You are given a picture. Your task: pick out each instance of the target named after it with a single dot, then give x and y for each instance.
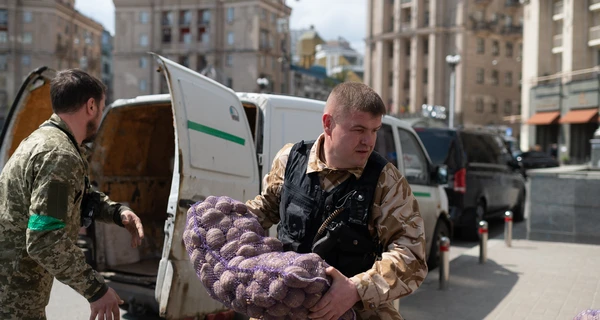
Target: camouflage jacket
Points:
(41, 189)
(395, 219)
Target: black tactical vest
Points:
(345, 243)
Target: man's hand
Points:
(107, 307)
(340, 297)
(133, 224)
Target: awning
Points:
(543, 118)
(580, 116)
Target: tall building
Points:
(294, 38)
(235, 42)
(35, 33)
(561, 76)
(306, 47)
(107, 64)
(406, 48)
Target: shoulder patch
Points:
(57, 202)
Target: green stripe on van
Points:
(422, 194)
(216, 133)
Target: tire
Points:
(519, 209)
(441, 230)
(470, 232)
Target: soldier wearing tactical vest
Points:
(44, 191)
(337, 197)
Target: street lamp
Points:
(453, 61)
(262, 83)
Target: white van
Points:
(159, 154)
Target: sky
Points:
(331, 18)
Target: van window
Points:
(478, 148)
(440, 145)
(385, 144)
(415, 162)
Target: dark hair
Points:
(356, 96)
(72, 88)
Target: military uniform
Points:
(41, 190)
(395, 220)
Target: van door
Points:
(31, 107)
(214, 156)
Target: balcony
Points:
(557, 43)
(594, 36)
(512, 30)
(594, 5)
(558, 11)
(482, 26)
(482, 2)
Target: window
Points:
(3, 62)
(143, 62)
(416, 170)
(166, 35)
(494, 107)
(507, 107)
(385, 145)
(26, 60)
(479, 148)
(184, 61)
(508, 79)
(185, 17)
(407, 48)
(230, 15)
(425, 75)
(480, 75)
(143, 85)
(509, 49)
(495, 77)
(391, 77)
(479, 105)
(229, 83)
(406, 79)
(144, 40)
(425, 46)
(185, 35)
(230, 38)
(3, 36)
(144, 17)
(495, 48)
(480, 45)
(263, 14)
(3, 17)
(203, 35)
(27, 37)
(167, 18)
(229, 60)
(263, 61)
(273, 18)
(201, 62)
(204, 16)
(27, 18)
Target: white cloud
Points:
(331, 18)
(102, 11)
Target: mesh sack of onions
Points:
(247, 271)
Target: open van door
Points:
(214, 155)
(31, 107)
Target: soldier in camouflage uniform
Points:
(42, 187)
(352, 116)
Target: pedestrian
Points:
(45, 197)
(336, 197)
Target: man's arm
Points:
(52, 215)
(266, 205)
(401, 230)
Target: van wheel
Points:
(441, 230)
(470, 232)
(519, 209)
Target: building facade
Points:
(107, 64)
(561, 76)
(35, 33)
(407, 45)
(311, 83)
(340, 60)
(235, 42)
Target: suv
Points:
(484, 180)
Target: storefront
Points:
(546, 104)
(583, 123)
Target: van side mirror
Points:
(441, 174)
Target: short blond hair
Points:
(348, 97)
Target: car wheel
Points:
(441, 230)
(519, 209)
(470, 231)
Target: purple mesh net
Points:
(247, 271)
(588, 315)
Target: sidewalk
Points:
(531, 280)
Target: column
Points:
(416, 74)
(399, 65)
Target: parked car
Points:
(484, 179)
(536, 160)
(162, 153)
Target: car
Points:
(536, 160)
(484, 178)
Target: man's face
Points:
(94, 123)
(353, 139)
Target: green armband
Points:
(44, 223)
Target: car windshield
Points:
(437, 144)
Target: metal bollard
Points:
(444, 262)
(508, 224)
(483, 238)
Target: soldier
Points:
(338, 198)
(44, 190)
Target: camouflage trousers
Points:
(24, 300)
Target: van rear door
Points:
(214, 156)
